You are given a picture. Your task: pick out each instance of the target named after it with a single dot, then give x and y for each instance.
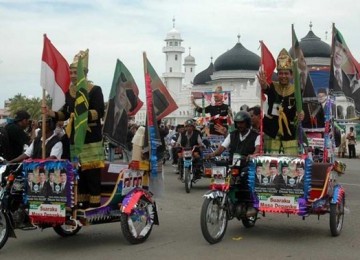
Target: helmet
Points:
(190, 122)
(241, 117)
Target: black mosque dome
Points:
(313, 46)
(238, 58)
(204, 76)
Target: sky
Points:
(124, 29)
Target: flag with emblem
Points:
(163, 102)
(344, 74)
(306, 84)
(123, 103)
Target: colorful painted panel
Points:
(280, 184)
(49, 185)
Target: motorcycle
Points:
(189, 167)
(228, 198)
(26, 204)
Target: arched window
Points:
(176, 57)
(170, 69)
(190, 69)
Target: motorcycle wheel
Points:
(337, 217)
(213, 220)
(4, 228)
(249, 222)
(66, 230)
(187, 180)
(137, 226)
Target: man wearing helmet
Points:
(279, 119)
(188, 139)
(243, 140)
(191, 136)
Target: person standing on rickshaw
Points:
(92, 160)
(279, 122)
(220, 113)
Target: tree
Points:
(31, 105)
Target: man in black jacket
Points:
(17, 137)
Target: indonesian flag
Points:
(55, 74)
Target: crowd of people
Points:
(278, 125)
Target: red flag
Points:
(163, 102)
(268, 64)
(55, 74)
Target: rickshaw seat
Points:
(108, 180)
(319, 174)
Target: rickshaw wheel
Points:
(337, 217)
(137, 226)
(66, 230)
(188, 183)
(4, 228)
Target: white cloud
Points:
(124, 29)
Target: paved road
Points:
(179, 236)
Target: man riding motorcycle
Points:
(188, 139)
(243, 141)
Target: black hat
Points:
(21, 115)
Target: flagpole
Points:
(262, 107)
(43, 125)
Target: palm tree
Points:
(31, 105)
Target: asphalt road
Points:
(275, 236)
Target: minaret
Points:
(173, 50)
(189, 66)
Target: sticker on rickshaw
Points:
(52, 213)
(278, 203)
(133, 179)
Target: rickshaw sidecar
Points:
(297, 185)
(125, 198)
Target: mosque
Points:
(235, 70)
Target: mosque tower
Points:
(173, 50)
(189, 66)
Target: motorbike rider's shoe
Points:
(251, 212)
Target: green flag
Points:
(81, 111)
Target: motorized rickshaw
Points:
(303, 185)
(40, 194)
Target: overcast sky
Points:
(123, 29)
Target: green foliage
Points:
(31, 105)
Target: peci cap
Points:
(21, 115)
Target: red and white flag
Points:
(55, 74)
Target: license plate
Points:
(236, 160)
(187, 153)
(218, 174)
